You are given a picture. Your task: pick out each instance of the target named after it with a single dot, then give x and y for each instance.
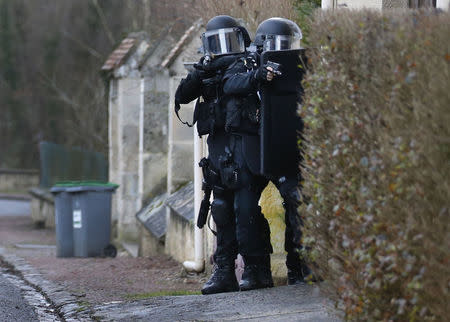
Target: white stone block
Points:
(155, 174)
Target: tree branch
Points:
(104, 23)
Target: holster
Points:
(229, 171)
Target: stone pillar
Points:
(128, 200)
(113, 130)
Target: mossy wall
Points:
(272, 208)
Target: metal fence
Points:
(60, 163)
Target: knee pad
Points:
(221, 212)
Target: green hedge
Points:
(377, 109)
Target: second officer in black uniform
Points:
(242, 168)
(243, 81)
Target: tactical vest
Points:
(209, 113)
(242, 113)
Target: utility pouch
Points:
(229, 172)
(203, 117)
(233, 114)
(250, 107)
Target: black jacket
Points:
(193, 87)
(240, 87)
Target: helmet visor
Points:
(223, 41)
(281, 42)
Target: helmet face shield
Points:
(281, 42)
(223, 41)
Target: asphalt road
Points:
(12, 305)
(12, 207)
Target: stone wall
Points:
(42, 208)
(180, 245)
(18, 180)
(272, 208)
(149, 245)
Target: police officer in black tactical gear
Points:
(223, 41)
(243, 168)
(275, 34)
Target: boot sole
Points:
(207, 292)
(244, 289)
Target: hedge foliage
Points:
(377, 110)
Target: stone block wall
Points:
(180, 238)
(42, 208)
(18, 180)
(149, 245)
(272, 208)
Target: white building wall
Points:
(443, 4)
(364, 4)
(359, 4)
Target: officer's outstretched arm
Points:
(240, 84)
(237, 81)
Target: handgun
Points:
(276, 68)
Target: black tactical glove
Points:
(220, 62)
(261, 73)
(214, 64)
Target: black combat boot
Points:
(223, 278)
(298, 272)
(265, 273)
(295, 276)
(257, 273)
(249, 279)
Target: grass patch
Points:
(159, 293)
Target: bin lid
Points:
(78, 186)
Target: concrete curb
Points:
(68, 306)
(15, 196)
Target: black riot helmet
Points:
(278, 34)
(224, 36)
